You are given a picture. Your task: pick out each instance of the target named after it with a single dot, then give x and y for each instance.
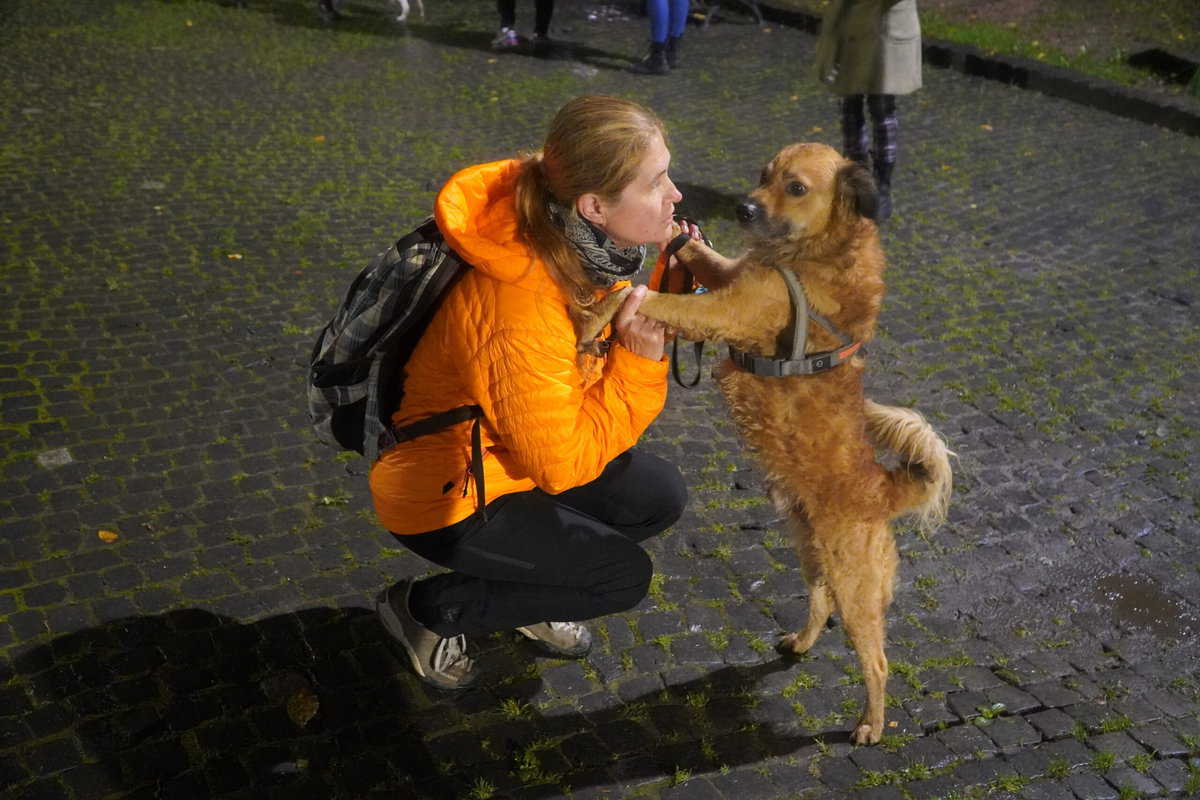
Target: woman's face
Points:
(643, 211)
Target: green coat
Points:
(870, 47)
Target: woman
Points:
(569, 500)
(871, 50)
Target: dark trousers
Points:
(884, 128)
(540, 557)
(543, 11)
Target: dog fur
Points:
(815, 435)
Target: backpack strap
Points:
(433, 424)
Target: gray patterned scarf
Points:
(603, 261)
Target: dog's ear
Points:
(857, 193)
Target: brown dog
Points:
(816, 434)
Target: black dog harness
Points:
(798, 364)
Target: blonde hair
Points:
(595, 144)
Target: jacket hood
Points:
(476, 212)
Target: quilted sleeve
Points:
(551, 428)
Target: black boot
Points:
(883, 183)
(673, 51)
(327, 11)
(655, 63)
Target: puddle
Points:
(1138, 602)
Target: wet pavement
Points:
(186, 575)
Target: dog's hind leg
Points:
(862, 592)
(820, 602)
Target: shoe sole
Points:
(395, 630)
(578, 652)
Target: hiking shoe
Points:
(566, 639)
(506, 39)
(439, 661)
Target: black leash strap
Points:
(477, 468)
(689, 285)
(698, 352)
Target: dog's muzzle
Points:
(749, 212)
(754, 218)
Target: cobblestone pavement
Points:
(185, 190)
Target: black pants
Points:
(543, 12)
(884, 127)
(540, 557)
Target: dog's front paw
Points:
(796, 644)
(590, 321)
(597, 348)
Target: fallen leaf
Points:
(816, 129)
(189, 23)
(766, 30)
(318, 138)
(236, 256)
(303, 706)
(986, 127)
(893, 724)
(108, 536)
(492, 60)
(794, 98)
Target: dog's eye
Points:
(796, 188)
(764, 178)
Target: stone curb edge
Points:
(1026, 73)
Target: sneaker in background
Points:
(506, 40)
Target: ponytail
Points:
(533, 198)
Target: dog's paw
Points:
(866, 733)
(793, 645)
(597, 348)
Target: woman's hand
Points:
(636, 332)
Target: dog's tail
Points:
(923, 479)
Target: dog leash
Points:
(689, 287)
(798, 364)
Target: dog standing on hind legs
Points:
(804, 414)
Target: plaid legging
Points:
(884, 126)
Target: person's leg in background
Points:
(655, 62)
(677, 22)
(855, 141)
(884, 129)
(544, 12)
(506, 39)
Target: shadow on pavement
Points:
(316, 704)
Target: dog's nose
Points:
(748, 211)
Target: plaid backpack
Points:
(355, 377)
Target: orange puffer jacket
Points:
(502, 340)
